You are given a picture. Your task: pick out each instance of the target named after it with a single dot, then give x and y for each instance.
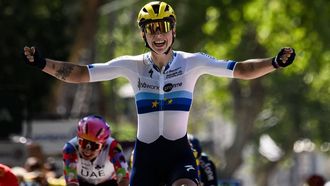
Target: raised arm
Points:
(254, 68)
(64, 71)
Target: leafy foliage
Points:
(47, 25)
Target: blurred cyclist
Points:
(93, 157)
(207, 169)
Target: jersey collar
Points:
(149, 60)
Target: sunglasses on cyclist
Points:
(89, 145)
(161, 26)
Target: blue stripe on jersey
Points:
(180, 104)
(146, 95)
(231, 64)
(145, 106)
(151, 102)
(177, 94)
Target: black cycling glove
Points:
(284, 58)
(39, 61)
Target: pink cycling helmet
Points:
(93, 128)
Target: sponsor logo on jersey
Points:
(99, 167)
(92, 174)
(169, 86)
(151, 72)
(146, 85)
(174, 73)
(189, 167)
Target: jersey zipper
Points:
(161, 99)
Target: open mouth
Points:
(159, 43)
(87, 154)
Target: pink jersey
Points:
(110, 164)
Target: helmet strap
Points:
(146, 42)
(169, 48)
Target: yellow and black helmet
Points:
(154, 11)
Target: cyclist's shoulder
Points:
(70, 146)
(128, 58)
(114, 144)
(185, 55)
(194, 56)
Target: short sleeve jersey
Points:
(163, 96)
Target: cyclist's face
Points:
(89, 149)
(159, 42)
(159, 36)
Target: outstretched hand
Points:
(33, 57)
(284, 58)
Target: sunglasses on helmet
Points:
(161, 26)
(89, 145)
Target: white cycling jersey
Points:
(163, 96)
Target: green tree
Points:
(48, 25)
(290, 97)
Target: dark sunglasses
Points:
(89, 145)
(161, 26)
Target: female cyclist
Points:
(163, 81)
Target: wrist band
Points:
(41, 63)
(274, 63)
